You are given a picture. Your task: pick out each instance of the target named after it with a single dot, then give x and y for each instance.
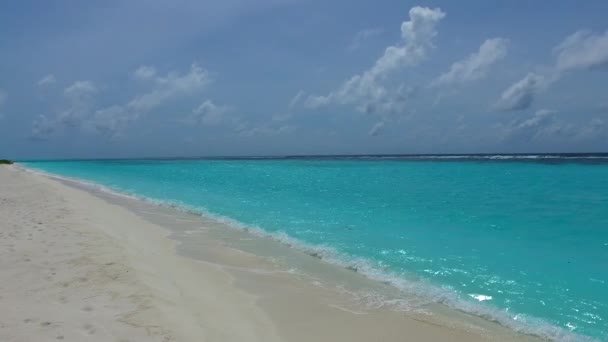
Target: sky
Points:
(183, 78)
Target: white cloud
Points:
(520, 95)
(47, 80)
(169, 87)
(366, 89)
(78, 105)
(362, 36)
(80, 89)
(288, 114)
(80, 101)
(539, 117)
(295, 100)
(545, 126)
(475, 66)
(544, 112)
(582, 50)
(532, 127)
(418, 34)
(376, 129)
(145, 73)
(111, 120)
(209, 114)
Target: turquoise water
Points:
(524, 242)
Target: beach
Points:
(78, 265)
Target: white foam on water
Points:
(480, 297)
(417, 292)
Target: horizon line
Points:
(323, 156)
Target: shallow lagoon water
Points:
(521, 241)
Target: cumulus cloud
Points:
(362, 36)
(367, 90)
(520, 95)
(209, 114)
(80, 90)
(78, 102)
(582, 50)
(168, 87)
(111, 121)
(47, 80)
(80, 98)
(476, 66)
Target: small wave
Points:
(480, 297)
(429, 293)
(424, 292)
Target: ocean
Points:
(521, 240)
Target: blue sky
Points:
(139, 78)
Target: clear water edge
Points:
(418, 283)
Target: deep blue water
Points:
(532, 234)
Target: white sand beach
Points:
(75, 266)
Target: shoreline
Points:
(262, 289)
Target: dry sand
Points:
(77, 267)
